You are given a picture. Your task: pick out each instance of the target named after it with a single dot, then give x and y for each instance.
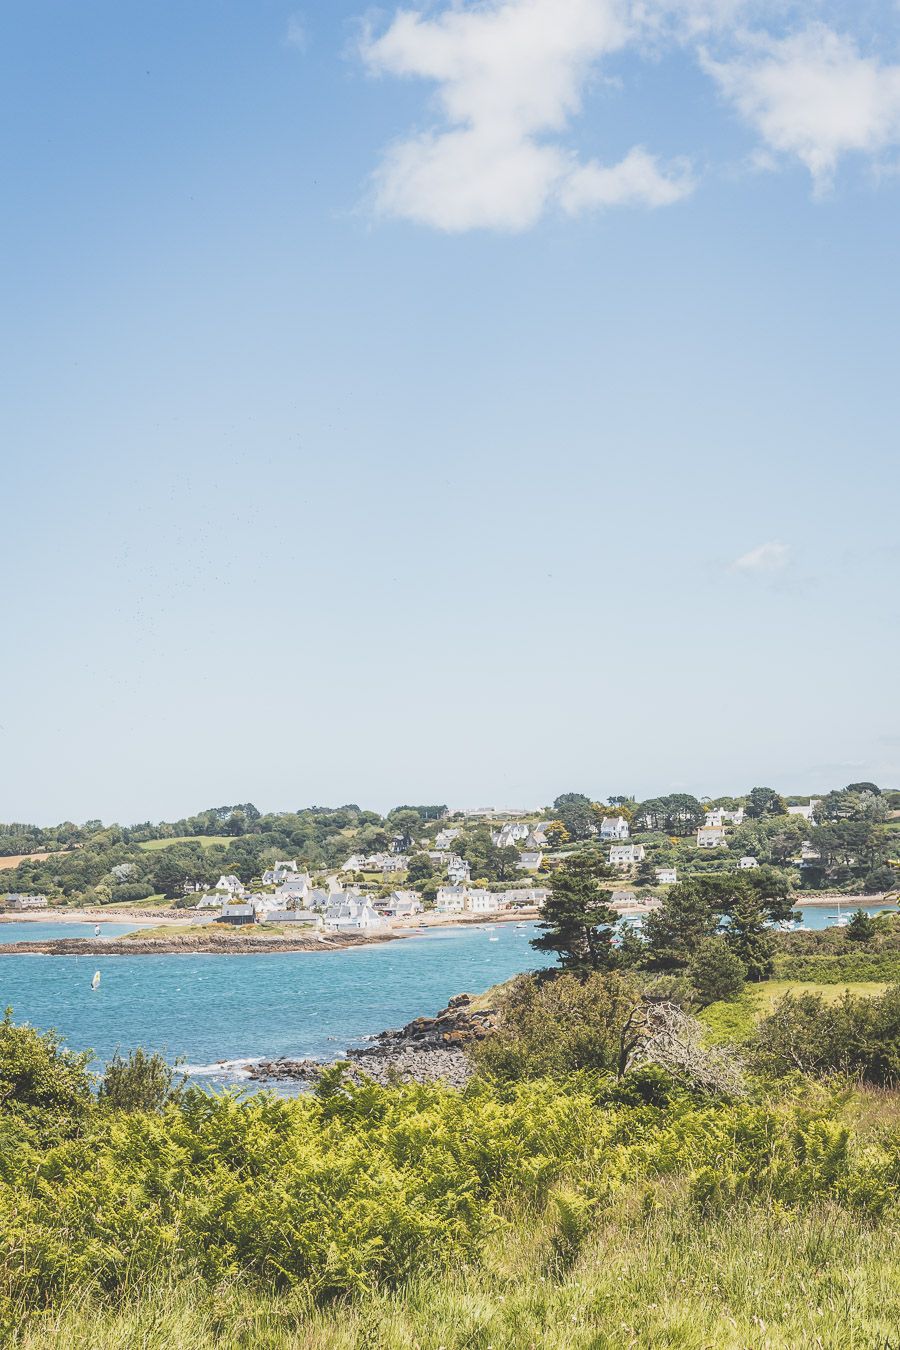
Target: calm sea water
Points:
(210, 1009)
(233, 1008)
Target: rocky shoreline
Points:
(426, 1050)
(220, 944)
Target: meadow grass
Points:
(735, 1020)
(660, 1277)
(204, 840)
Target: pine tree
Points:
(578, 923)
(750, 938)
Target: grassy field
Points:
(14, 859)
(204, 840)
(732, 1021)
(660, 1278)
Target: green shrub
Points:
(141, 1082)
(859, 1037)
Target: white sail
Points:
(96, 980)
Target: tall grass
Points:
(646, 1277)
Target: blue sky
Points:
(469, 403)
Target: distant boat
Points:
(493, 939)
(96, 930)
(95, 982)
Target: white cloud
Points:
(296, 35)
(771, 557)
(510, 74)
(814, 96)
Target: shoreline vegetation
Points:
(559, 1194)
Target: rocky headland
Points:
(425, 1050)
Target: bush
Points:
(859, 1037)
(141, 1082)
(131, 890)
(716, 972)
(40, 1080)
(555, 1026)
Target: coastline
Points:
(251, 940)
(219, 944)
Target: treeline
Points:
(110, 866)
(847, 846)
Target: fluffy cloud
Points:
(771, 557)
(296, 35)
(510, 74)
(814, 96)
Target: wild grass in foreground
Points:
(749, 1279)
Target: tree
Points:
(420, 868)
(678, 814)
(863, 787)
(716, 972)
(763, 802)
(674, 932)
(39, 1077)
(169, 876)
(576, 813)
(557, 834)
(860, 928)
(749, 937)
(883, 878)
(141, 1082)
(578, 923)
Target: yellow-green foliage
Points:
(361, 1188)
(755, 1278)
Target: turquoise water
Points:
(817, 917)
(210, 1009)
(236, 1008)
(37, 930)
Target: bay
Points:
(207, 1009)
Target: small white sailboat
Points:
(95, 982)
(96, 930)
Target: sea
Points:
(217, 1014)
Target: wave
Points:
(233, 1068)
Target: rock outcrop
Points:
(424, 1051)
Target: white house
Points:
(719, 815)
(711, 836)
(458, 870)
(354, 915)
(401, 904)
(445, 839)
(482, 902)
(450, 899)
(376, 862)
(232, 884)
(746, 863)
(807, 812)
(624, 855)
(294, 890)
(666, 876)
(530, 862)
(525, 895)
(622, 900)
(509, 835)
(277, 874)
(15, 900)
(614, 827)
